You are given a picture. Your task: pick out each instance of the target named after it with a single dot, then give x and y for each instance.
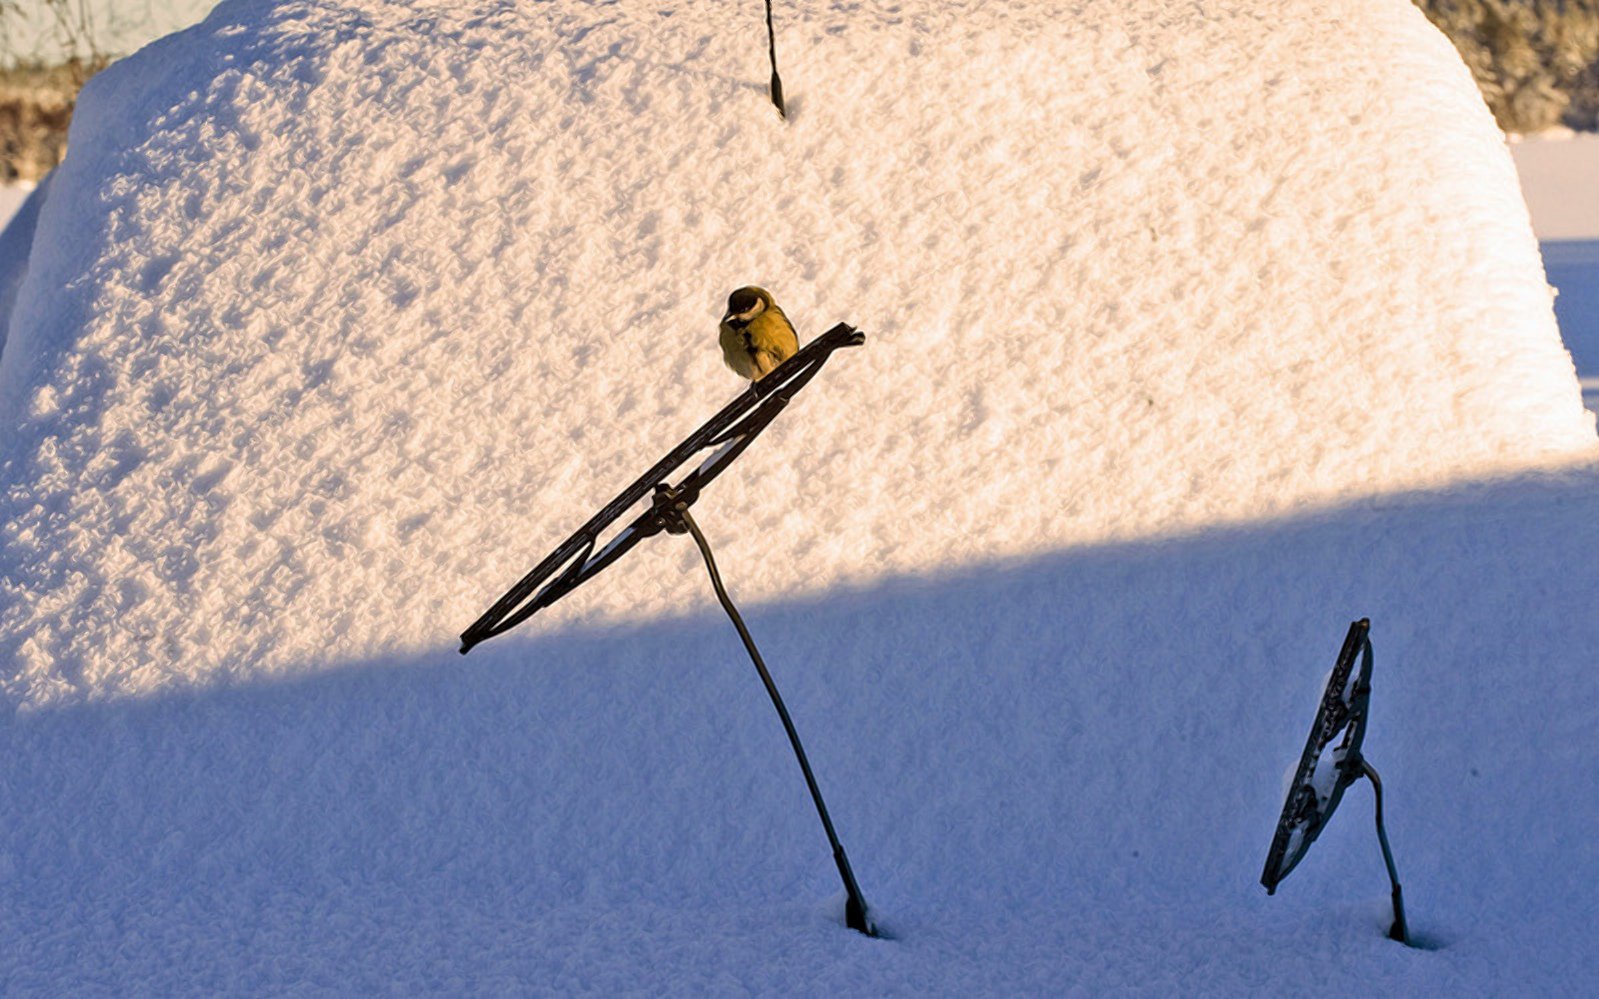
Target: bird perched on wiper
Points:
(755, 335)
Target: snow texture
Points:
(349, 311)
(1195, 332)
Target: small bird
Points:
(755, 335)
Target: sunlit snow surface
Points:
(350, 311)
(340, 316)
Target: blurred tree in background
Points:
(48, 49)
(35, 109)
(1536, 61)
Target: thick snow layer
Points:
(338, 316)
(1058, 776)
(348, 311)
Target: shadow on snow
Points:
(1074, 757)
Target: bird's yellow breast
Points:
(760, 345)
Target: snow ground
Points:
(1053, 776)
(1055, 762)
(1557, 175)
